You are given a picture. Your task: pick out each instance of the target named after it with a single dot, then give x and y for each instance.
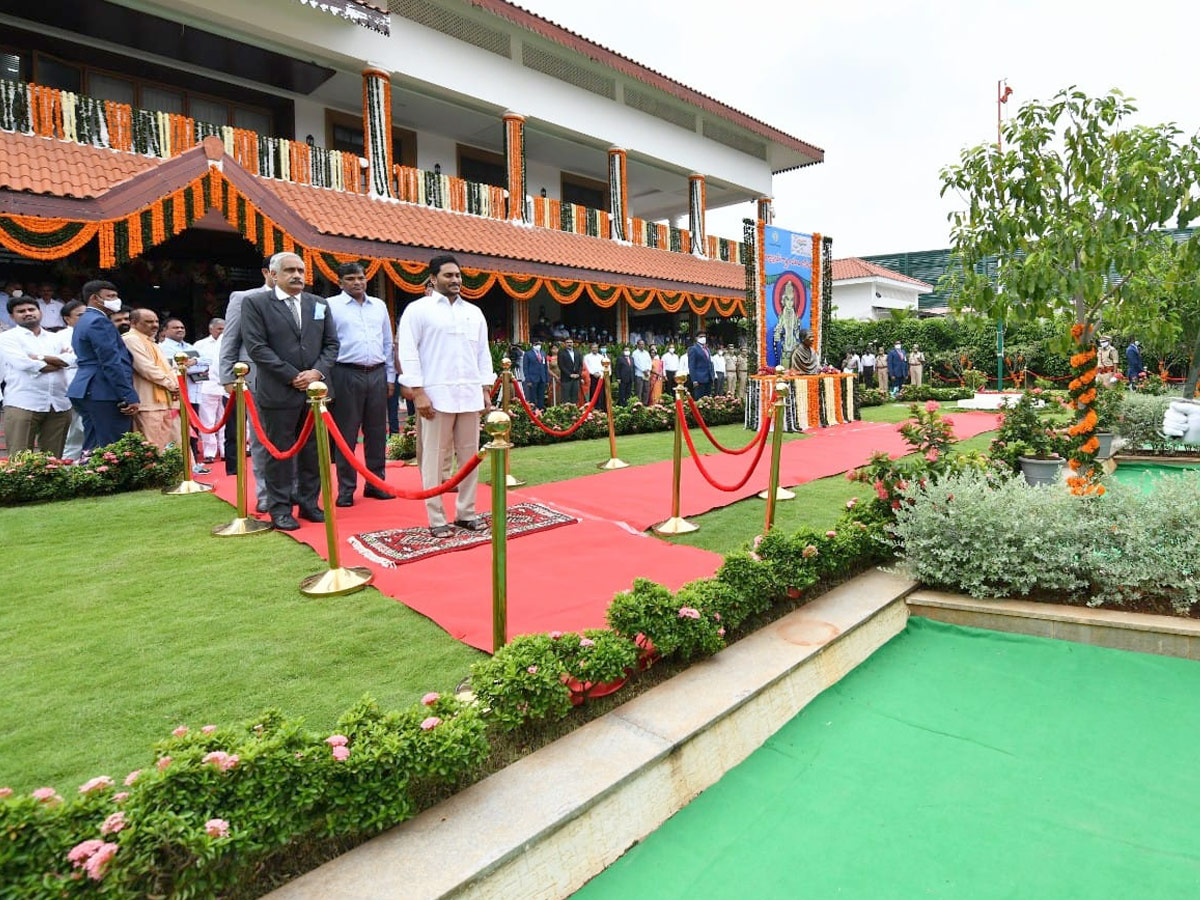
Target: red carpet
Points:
(640, 496)
(565, 578)
(560, 579)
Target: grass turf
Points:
(953, 763)
(123, 618)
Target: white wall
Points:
(855, 298)
(436, 149)
(540, 175)
(310, 119)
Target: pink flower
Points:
(831, 534)
(208, 729)
(299, 755)
(686, 612)
(97, 863)
(851, 503)
(101, 468)
(852, 474)
(337, 740)
(932, 406)
(341, 753)
(532, 670)
(113, 823)
(586, 642)
(221, 760)
(902, 485)
(809, 551)
(83, 851)
(932, 454)
(180, 731)
(5, 792)
(132, 777)
(555, 635)
(880, 490)
(754, 556)
(99, 783)
(430, 698)
(758, 539)
(120, 796)
(721, 632)
(717, 617)
(216, 828)
(431, 723)
(46, 795)
(947, 421)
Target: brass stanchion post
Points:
(772, 491)
(506, 399)
(777, 426)
(497, 424)
(336, 579)
(187, 485)
(676, 524)
(244, 523)
(612, 462)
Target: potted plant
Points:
(974, 380)
(1029, 445)
(1109, 400)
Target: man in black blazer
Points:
(290, 337)
(570, 366)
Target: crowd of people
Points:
(887, 370)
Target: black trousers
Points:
(535, 394)
(701, 389)
(570, 390)
(624, 392)
(360, 404)
(103, 423)
(283, 427)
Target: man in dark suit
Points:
(292, 341)
(1134, 367)
(102, 389)
(537, 375)
(233, 350)
(897, 368)
(570, 367)
(700, 367)
(623, 375)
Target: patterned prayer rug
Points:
(397, 546)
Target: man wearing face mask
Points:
(1107, 359)
(120, 318)
(623, 374)
(700, 367)
(536, 375)
(670, 367)
(593, 363)
(102, 390)
(1135, 369)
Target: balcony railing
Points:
(67, 116)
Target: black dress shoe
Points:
(263, 506)
(376, 494)
(285, 522)
(345, 500)
(312, 513)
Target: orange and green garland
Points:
(1085, 476)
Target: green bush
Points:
(598, 656)
(912, 393)
(524, 681)
(1141, 425)
(1023, 432)
(869, 396)
(130, 464)
(970, 533)
(674, 628)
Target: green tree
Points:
(1070, 212)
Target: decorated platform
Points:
(814, 401)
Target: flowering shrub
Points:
(523, 681)
(675, 627)
(974, 380)
(598, 656)
(1141, 426)
(869, 396)
(912, 393)
(229, 797)
(130, 464)
(1024, 433)
(968, 533)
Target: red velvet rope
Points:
(708, 434)
(194, 419)
(376, 482)
(307, 430)
(495, 388)
(760, 439)
(533, 416)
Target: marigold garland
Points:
(1083, 394)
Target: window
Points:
(10, 66)
(584, 191)
(162, 99)
(345, 132)
(202, 109)
(255, 120)
(481, 166)
(58, 74)
(108, 87)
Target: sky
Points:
(893, 91)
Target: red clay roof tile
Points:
(853, 267)
(63, 169)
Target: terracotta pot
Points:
(586, 690)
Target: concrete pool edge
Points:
(1116, 629)
(549, 822)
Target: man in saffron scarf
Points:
(154, 380)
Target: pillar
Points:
(618, 195)
(766, 210)
(377, 131)
(622, 323)
(696, 203)
(514, 164)
(520, 320)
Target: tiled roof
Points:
(62, 169)
(853, 267)
(358, 216)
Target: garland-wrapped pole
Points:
(677, 524)
(187, 485)
(336, 579)
(506, 376)
(498, 425)
(244, 523)
(1085, 477)
(612, 462)
(774, 493)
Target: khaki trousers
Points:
(444, 435)
(916, 374)
(25, 429)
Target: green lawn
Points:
(123, 618)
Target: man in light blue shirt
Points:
(641, 373)
(362, 379)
